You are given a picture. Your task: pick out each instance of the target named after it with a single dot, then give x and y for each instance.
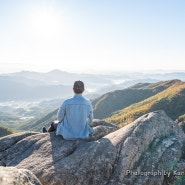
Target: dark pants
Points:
(53, 126)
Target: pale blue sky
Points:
(92, 35)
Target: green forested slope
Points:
(38, 124)
(5, 131)
(171, 100)
(110, 102)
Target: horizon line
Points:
(95, 71)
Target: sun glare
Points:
(45, 23)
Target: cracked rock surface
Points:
(132, 155)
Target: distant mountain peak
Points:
(56, 71)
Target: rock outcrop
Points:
(14, 176)
(146, 152)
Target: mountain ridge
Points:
(25, 82)
(171, 100)
(110, 102)
(143, 97)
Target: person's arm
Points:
(90, 116)
(61, 113)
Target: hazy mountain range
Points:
(121, 103)
(30, 86)
(124, 106)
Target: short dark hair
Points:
(78, 87)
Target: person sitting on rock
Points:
(74, 116)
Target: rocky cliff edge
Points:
(146, 152)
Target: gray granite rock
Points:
(145, 152)
(14, 176)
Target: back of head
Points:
(78, 87)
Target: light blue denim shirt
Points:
(74, 116)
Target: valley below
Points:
(30, 100)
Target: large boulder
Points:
(146, 152)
